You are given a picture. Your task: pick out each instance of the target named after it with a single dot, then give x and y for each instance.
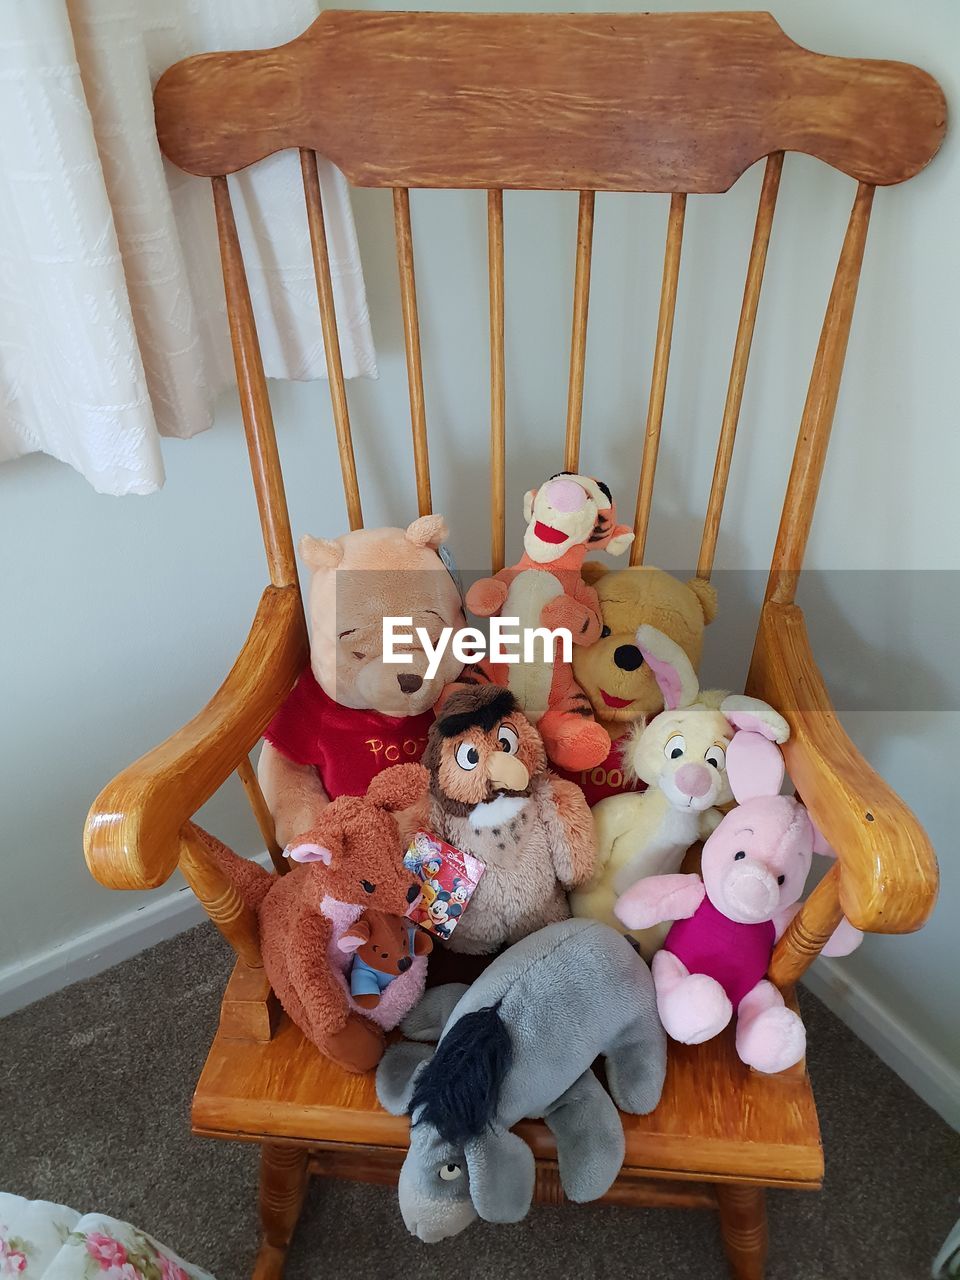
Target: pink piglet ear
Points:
(754, 766)
(820, 844)
(308, 852)
(671, 667)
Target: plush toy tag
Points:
(447, 877)
(446, 555)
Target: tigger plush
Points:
(567, 518)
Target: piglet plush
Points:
(716, 955)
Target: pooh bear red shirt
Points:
(607, 779)
(347, 747)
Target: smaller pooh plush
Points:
(681, 756)
(611, 671)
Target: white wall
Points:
(122, 616)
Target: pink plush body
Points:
(735, 955)
(715, 957)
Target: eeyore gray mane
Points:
(458, 1091)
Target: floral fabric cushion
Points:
(32, 1233)
(48, 1241)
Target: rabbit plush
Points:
(716, 955)
(681, 756)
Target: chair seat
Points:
(717, 1119)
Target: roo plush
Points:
(681, 757)
(715, 958)
(567, 517)
(313, 920)
(351, 714)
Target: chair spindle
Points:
(819, 408)
(254, 400)
(808, 932)
(497, 383)
(223, 904)
(741, 358)
(578, 339)
(331, 339)
(251, 785)
(411, 341)
(658, 381)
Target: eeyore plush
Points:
(520, 1043)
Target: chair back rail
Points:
(574, 102)
(411, 339)
(658, 379)
(331, 337)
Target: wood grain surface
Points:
(132, 835)
(888, 869)
(619, 102)
(716, 1119)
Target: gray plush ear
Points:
(426, 1020)
(397, 1075)
(502, 1175)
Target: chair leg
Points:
(743, 1226)
(283, 1185)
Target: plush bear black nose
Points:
(627, 657)
(409, 684)
(413, 893)
(404, 964)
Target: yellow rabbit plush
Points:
(681, 756)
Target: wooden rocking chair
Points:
(641, 103)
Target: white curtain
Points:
(113, 326)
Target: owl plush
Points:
(492, 796)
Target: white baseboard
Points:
(928, 1073)
(101, 948)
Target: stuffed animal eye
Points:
(780, 879)
(449, 1172)
(507, 739)
(737, 856)
(358, 654)
(367, 887)
(468, 757)
(604, 632)
(675, 747)
(716, 756)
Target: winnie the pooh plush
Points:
(351, 714)
(612, 672)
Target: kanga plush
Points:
(681, 757)
(492, 796)
(715, 958)
(566, 517)
(351, 714)
(612, 672)
(521, 1042)
(312, 920)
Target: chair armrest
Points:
(132, 835)
(888, 870)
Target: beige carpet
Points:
(95, 1087)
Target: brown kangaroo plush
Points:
(349, 864)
